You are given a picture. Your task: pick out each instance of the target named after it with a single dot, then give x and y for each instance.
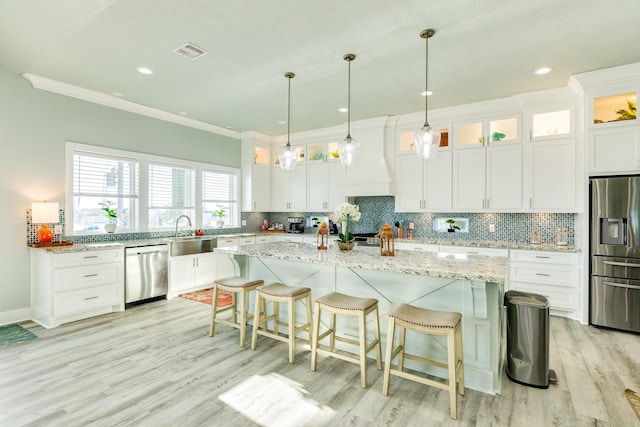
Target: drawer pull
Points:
(620, 264)
(543, 257)
(88, 298)
(91, 275)
(472, 253)
(91, 256)
(543, 274)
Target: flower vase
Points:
(345, 246)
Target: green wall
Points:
(34, 126)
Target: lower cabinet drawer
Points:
(560, 275)
(68, 279)
(559, 298)
(86, 299)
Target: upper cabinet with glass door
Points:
(405, 140)
(276, 155)
(551, 124)
(617, 108)
(261, 155)
(482, 133)
(323, 152)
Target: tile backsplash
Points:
(376, 211)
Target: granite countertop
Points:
(469, 267)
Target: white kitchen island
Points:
(472, 285)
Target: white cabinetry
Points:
(614, 150)
(550, 156)
(225, 264)
(423, 185)
(420, 247)
(487, 165)
(555, 275)
(190, 273)
(289, 188)
(264, 238)
(66, 287)
(466, 250)
(256, 173)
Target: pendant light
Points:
(289, 155)
(348, 148)
(426, 140)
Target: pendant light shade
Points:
(289, 155)
(348, 148)
(426, 140)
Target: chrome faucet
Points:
(178, 220)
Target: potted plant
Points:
(452, 225)
(345, 213)
(111, 214)
(220, 213)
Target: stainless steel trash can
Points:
(528, 339)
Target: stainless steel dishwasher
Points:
(146, 273)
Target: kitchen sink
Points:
(191, 245)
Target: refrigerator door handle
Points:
(619, 285)
(621, 264)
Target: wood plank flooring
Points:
(155, 365)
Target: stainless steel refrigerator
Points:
(615, 252)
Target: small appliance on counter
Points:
(333, 227)
(296, 224)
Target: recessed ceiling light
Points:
(426, 93)
(543, 70)
(281, 122)
(343, 110)
(118, 94)
(144, 70)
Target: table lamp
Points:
(44, 213)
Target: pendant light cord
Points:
(349, 103)
(289, 76)
(426, 82)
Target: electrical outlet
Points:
(57, 229)
(244, 222)
(492, 228)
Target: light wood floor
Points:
(155, 365)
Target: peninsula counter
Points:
(470, 285)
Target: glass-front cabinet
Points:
(405, 140)
(323, 152)
(614, 108)
(482, 133)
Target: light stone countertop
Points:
(461, 266)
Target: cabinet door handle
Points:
(543, 274)
(472, 253)
(91, 275)
(530, 202)
(94, 297)
(91, 256)
(530, 135)
(543, 257)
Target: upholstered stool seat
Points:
(345, 305)
(235, 286)
(433, 323)
(277, 293)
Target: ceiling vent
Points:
(190, 51)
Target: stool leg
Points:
(451, 351)
(243, 318)
(402, 336)
(276, 314)
(460, 359)
(256, 321)
(332, 335)
(363, 349)
(292, 330)
(387, 357)
(314, 337)
(309, 320)
(376, 331)
(214, 310)
(234, 307)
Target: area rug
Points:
(12, 334)
(634, 401)
(206, 295)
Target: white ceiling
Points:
(482, 49)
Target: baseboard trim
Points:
(14, 316)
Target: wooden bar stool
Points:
(433, 323)
(337, 303)
(277, 293)
(235, 286)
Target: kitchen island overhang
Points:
(471, 285)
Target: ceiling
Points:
(482, 49)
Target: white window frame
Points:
(143, 204)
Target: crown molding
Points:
(43, 83)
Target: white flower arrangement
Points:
(345, 213)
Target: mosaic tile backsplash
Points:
(376, 211)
